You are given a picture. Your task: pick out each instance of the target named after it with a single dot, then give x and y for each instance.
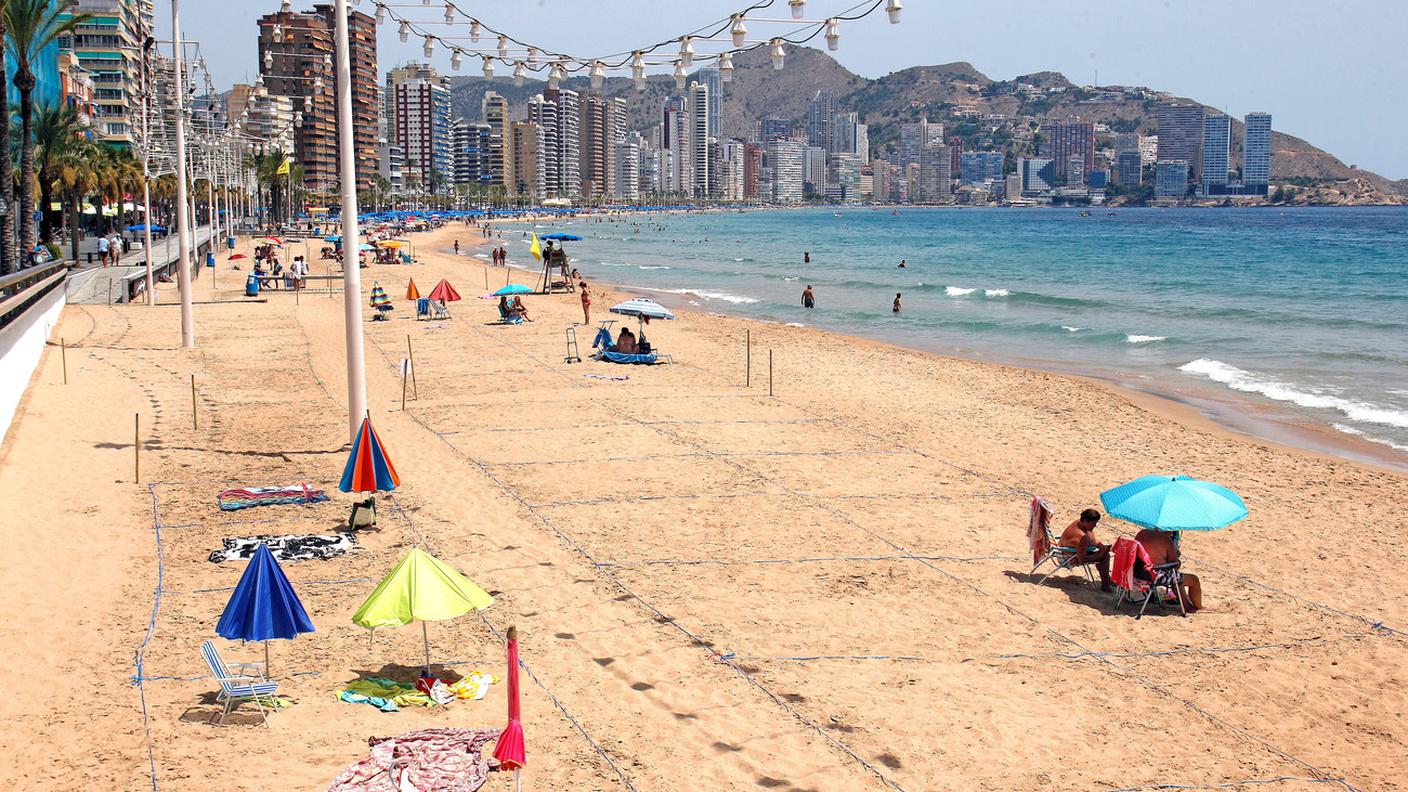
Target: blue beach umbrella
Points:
(513, 288)
(562, 237)
(143, 227)
(1174, 503)
(264, 605)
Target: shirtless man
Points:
(1162, 550)
(1080, 535)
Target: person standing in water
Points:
(807, 258)
(808, 298)
(903, 264)
(896, 308)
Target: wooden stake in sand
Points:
(63, 355)
(137, 447)
(411, 357)
(747, 358)
(193, 402)
(769, 372)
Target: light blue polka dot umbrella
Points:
(1174, 503)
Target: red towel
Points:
(1039, 530)
(1126, 551)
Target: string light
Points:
(679, 75)
(456, 60)
(833, 36)
(519, 72)
(474, 31)
(429, 48)
(380, 13)
(726, 67)
(686, 52)
(739, 30)
(503, 46)
(796, 6)
(449, 14)
(638, 70)
(893, 9)
(779, 56)
(405, 31)
(598, 75)
(488, 68)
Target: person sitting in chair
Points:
(520, 309)
(626, 342)
(1163, 551)
(1080, 536)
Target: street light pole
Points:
(183, 275)
(351, 236)
(147, 167)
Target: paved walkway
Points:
(97, 284)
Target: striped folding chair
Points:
(1044, 547)
(236, 689)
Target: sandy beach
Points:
(827, 588)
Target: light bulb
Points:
(778, 54)
(503, 46)
(796, 6)
(726, 67)
(449, 14)
(268, 59)
(380, 13)
(679, 75)
(833, 35)
(286, 6)
(474, 30)
(519, 72)
(555, 76)
(893, 9)
(686, 52)
(739, 30)
(405, 31)
(488, 68)
(429, 48)
(598, 75)
(456, 60)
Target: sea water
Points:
(1303, 310)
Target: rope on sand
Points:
(1234, 784)
(139, 657)
(301, 583)
(812, 560)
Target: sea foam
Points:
(1247, 382)
(954, 291)
(710, 295)
(1134, 338)
(995, 292)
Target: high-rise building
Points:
(1170, 179)
(263, 117)
(1256, 153)
(914, 137)
(398, 75)
(1129, 168)
(1217, 151)
(421, 118)
(784, 160)
(626, 162)
(699, 138)
(109, 47)
(76, 89)
(1013, 186)
(976, 167)
(297, 63)
(1067, 140)
(710, 76)
(391, 164)
(935, 178)
(813, 170)
(526, 157)
(733, 155)
(603, 125)
(675, 137)
(544, 114)
(955, 154)
(850, 136)
(499, 162)
(772, 128)
(1180, 134)
(846, 173)
(1037, 173)
(568, 152)
(752, 166)
(470, 144)
(821, 120)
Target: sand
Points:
(824, 589)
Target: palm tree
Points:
(32, 25)
(76, 170)
(7, 175)
(56, 135)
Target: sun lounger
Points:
(1164, 584)
(438, 310)
(1044, 547)
(235, 689)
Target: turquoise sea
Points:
(1297, 313)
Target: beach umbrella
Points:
(421, 588)
(509, 749)
(513, 288)
(237, 256)
(368, 468)
(643, 308)
(332, 238)
(380, 299)
(1174, 503)
(563, 237)
(444, 292)
(412, 293)
(391, 243)
(263, 606)
(143, 227)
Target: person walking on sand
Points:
(586, 304)
(896, 307)
(808, 298)
(457, 247)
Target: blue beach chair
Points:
(235, 689)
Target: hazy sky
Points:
(1332, 72)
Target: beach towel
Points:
(428, 760)
(1039, 530)
(249, 497)
(1127, 551)
(286, 547)
(387, 695)
(617, 357)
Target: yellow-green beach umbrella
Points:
(421, 588)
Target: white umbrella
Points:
(642, 307)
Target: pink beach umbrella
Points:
(509, 749)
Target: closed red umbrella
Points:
(509, 749)
(444, 292)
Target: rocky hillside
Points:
(952, 93)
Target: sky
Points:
(1331, 72)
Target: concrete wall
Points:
(21, 347)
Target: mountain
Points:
(986, 113)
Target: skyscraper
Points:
(784, 160)
(955, 154)
(914, 137)
(773, 128)
(699, 138)
(1129, 168)
(469, 142)
(975, 167)
(813, 170)
(1170, 179)
(935, 178)
(821, 120)
(711, 77)
(109, 46)
(395, 77)
(1180, 134)
(1217, 148)
(526, 157)
(499, 161)
(1256, 153)
(1037, 174)
(627, 163)
(421, 107)
(1066, 140)
(596, 149)
(569, 178)
(544, 114)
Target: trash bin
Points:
(210, 259)
(251, 286)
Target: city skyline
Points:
(1316, 95)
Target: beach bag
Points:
(363, 515)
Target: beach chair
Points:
(1044, 547)
(1165, 585)
(236, 688)
(509, 318)
(438, 310)
(422, 308)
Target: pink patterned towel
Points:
(429, 760)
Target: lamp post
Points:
(183, 274)
(351, 236)
(147, 168)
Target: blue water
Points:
(1304, 310)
